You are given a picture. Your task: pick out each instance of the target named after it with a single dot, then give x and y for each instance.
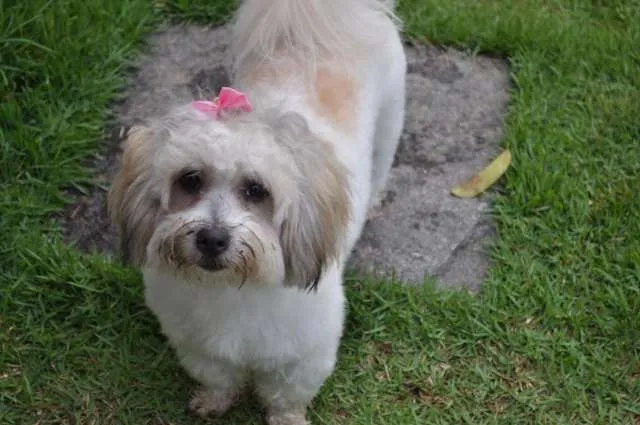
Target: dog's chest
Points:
(243, 326)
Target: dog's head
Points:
(250, 197)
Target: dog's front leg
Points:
(222, 384)
(287, 392)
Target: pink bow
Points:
(228, 100)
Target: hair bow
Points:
(228, 100)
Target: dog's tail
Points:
(310, 30)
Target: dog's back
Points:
(310, 30)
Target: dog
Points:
(241, 212)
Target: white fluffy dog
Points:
(242, 212)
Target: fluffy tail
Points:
(310, 30)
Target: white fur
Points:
(310, 30)
(277, 337)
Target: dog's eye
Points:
(190, 182)
(255, 192)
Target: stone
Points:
(455, 109)
(453, 127)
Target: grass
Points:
(552, 338)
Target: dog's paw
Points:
(206, 402)
(287, 417)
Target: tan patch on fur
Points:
(335, 98)
(131, 165)
(332, 94)
(130, 207)
(315, 225)
(334, 203)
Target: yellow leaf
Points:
(485, 178)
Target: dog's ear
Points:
(133, 207)
(314, 220)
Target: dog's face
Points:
(240, 199)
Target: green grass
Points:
(552, 338)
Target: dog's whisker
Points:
(250, 248)
(245, 271)
(254, 234)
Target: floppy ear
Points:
(314, 222)
(133, 207)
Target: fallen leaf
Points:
(485, 178)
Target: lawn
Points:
(553, 337)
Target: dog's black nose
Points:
(212, 242)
